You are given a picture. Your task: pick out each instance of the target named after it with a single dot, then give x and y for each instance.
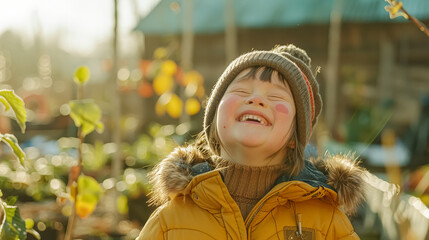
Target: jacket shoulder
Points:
(154, 228)
(181, 216)
(172, 174)
(341, 227)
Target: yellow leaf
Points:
(396, 6)
(394, 10)
(159, 109)
(84, 209)
(425, 199)
(122, 204)
(168, 68)
(81, 75)
(175, 106)
(200, 92)
(160, 53)
(29, 223)
(161, 104)
(162, 83)
(73, 188)
(89, 192)
(193, 76)
(192, 106)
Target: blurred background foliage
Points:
(152, 67)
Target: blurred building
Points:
(374, 70)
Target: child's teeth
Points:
(253, 117)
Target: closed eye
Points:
(277, 98)
(240, 91)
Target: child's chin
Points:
(251, 141)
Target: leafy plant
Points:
(12, 225)
(84, 191)
(11, 101)
(396, 9)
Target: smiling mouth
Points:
(253, 119)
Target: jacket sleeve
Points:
(341, 228)
(152, 229)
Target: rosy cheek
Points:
(230, 100)
(227, 110)
(282, 108)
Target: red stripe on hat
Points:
(311, 99)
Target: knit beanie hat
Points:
(294, 64)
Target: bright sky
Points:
(80, 24)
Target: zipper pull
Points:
(299, 224)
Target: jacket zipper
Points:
(259, 208)
(262, 203)
(264, 200)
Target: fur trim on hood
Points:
(346, 177)
(173, 174)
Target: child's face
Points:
(255, 113)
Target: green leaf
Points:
(89, 186)
(11, 200)
(29, 223)
(81, 75)
(89, 193)
(6, 104)
(95, 157)
(122, 204)
(86, 114)
(34, 233)
(14, 226)
(11, 100)
(12, 142)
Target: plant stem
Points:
(419, 24)
(79, 94)
(2, 212)
(71, 223)
(72, 218)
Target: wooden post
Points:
(393, 170)
(188, 35)
(116, 116)
(230, 32)
(332, 63)
(139, 35)
(187, 46)
(386, 68)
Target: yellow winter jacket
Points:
(197, 204)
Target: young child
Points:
(246, 177)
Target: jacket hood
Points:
(338, 172)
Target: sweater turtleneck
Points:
(247, 185)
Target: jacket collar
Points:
(309, 175)
(173, 176)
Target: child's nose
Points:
(256, 100)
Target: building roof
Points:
(209, 15)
